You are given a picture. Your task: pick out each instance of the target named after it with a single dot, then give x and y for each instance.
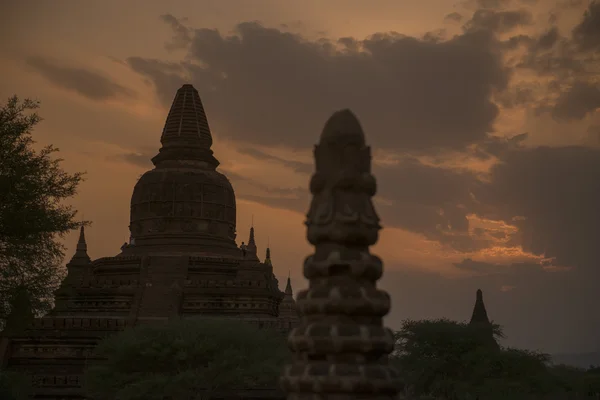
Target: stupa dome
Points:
(184, 204)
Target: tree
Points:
(186, 359)
(14, 386)
(33, 187)
(451, 360)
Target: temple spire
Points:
(186, 135)
(251, 247)
(81, 254)
(251, 241)
(268, 257)
(288, 288)
(479, 311)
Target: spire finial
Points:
(479, 312)
(251, 241)
(288, 287)
(186, 135)
(81, 248)
(251, 247)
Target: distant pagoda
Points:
(182, 260)
(480, 320)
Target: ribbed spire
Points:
(479, 311)
(81, 254)
(186, 134)
(268, 257)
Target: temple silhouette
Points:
(182, 260)
(481, 321)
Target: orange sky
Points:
(93, 134)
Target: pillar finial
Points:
(341, 345)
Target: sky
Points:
(483, 117)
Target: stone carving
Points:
(56, 380)
(341, 345)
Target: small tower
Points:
(268, 257)
(251, 247)
(288, 310)
(480, 321)
(76, 270)
(479, 315)
(81, 259)
(341, 346)
(81, 255)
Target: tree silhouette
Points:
(33, 187)
(186, 359)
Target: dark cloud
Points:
(577, 102)
(492, 4)
(85, 82)
(499, 21)
(267, 87)
(296, 166)
(453, 17)
(166, 77)
(587, 33)
(486, 268)
(551, 195)
(429, 200)
(273, 86)
(569, 4)
(181, 34)
(572, 92)
(547, 40)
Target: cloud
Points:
(273, 86)
(295, 166)
(138, 159)
(586, 34)
(87, 83)
(551, 195)
(181, 34)
(577, 102)
(499, 21)
(492, 4)
(417, 98)
(166, 77)
(453, 17)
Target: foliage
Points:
(450, 359)
(14, 386)
(179, 359)
(33, 187)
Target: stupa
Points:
(181, 261)
(481, 321)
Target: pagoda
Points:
(480, 320)
(181, 261)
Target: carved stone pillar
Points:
(341, 346)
